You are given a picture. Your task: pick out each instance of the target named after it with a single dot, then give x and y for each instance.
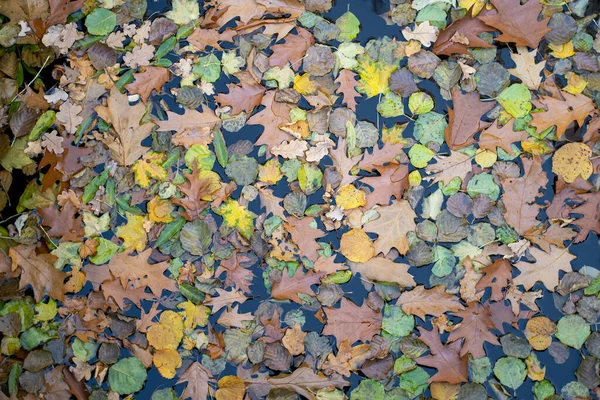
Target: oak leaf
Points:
(197, 378)
(151, 78)
(434, 301)
(452, 368)
(497, 276)
(590, 222)
(113, 289)
(231, 318)
(392, 226)
(197, 191)
(201, 38)
(192, 127)
(292, 50)
(474, 329)
(138, 272)
(381, 269)
(347, 81)
(224, 298)
(468, 27)
(352, 322)
(520, 195)
(38, 271)
(343, 163)
(465, 119)
(246, 97)
(518, 23)
(237, 269)
(63, 223)
(449, 167)
(562, 113)
(556, 235)
(527, 70)
(545, 269)
(289, 288)
(493, 137)
(126, 147)
(392, 181)
(304, 236)
(271, 118)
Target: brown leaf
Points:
(590, 222)
(63, 223)
(434, 301)
(347, 81)
(292, 50)
(554, 235)
(237, 269)
(379, 269)
(392, 226)
(188, 122)
(224, 298)
(465, 118)
(151, 78)
(271, 117)
(289, 288)
(197, 190)
(352, 322)
(231, 318)
(520, 195)
(197, 378)
(452, 368)
(467, 27)
(61, 9)
(201, 38)
(304, 236)
(562, 113)
(497, 276)
(474, 329)
(447, 168)
(343, 163)
(38, 271)
(545, 269)
(136, 270)
(494, 137)
(119, 293)
(392, 181)
(126, 147)
(246, 97)
(518, 23)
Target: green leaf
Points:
(414, 382)
(368, 389)
(310, 177)
(404, 364)
(444, 261)
(127, 376)
(430, 127)
(101, 21)
(191, 293)
(516, 100)
(420, 103)
(479, 369)
(169, 232)
(106, 249)
(420, 155)
(572, 330)
(510, 371)
(165, 394)
(196, 237)
(395, 322)
(16, 157)
(208, 67)
(220, 147)
(349, 26)
(483, 184)
(44, 122)
(543, 389)
(84, 350)
(390, 106)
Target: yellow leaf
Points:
(270, 172)
(356, 246)
(414, 178)
(159, 210)
(349, 197)
(576, 83)
(573, 160)
(444, 391)
(194, 315)
(237, 216)
(476, 4)
(167, 361)
(303, 84)
(374, 76)
(167, 333)
(539, 331)
(536, 147)
(133, 233)
(149, 167)
(393, 135)
(212, 180)
(562, 50)
(485, 158)
(230, 388)
(534, 369)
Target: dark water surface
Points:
(373, 26)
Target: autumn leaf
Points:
(304, 235)
(347, 88)
(504, 137)
(197, 378)
(465, 119)
(527, 70)
(518, 23)
(374, 76)
(434, 301)
(562, 113)
(151, 78)
(545, 269)
(289, 288)
(292, 50)
(461, 34)
(392, 226)
(237, 216)
(474, 329)
(456, 165)
(137, 271)
(63, 223)
(38, 271)
(452, 368)
(246, 97)
(573, 160)
(352, 322)
(496, 276)
(381, 269)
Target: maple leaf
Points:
(447, 168)
(497, 276)
(527, 70)
(126, 147)
(590, 222)
(392, 226)
(545, 269)
(374, 76)
(465, 118)
(292, 50)
(434, 301)
(197, 378)
(347, 81)
(520, 195)
(151, 78)
(246, 97)
(63, 223)
(562, 113)
(289, 288)
(137, 271)
(304, 236)
(518, 23)
(352, 322)
(474, 329)
(115, 290)
(504, 137)
(38, 271)
(231, 318)
(467, 28)
(452, 368)
(379, 269)
(392, 181)
(236, 268)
